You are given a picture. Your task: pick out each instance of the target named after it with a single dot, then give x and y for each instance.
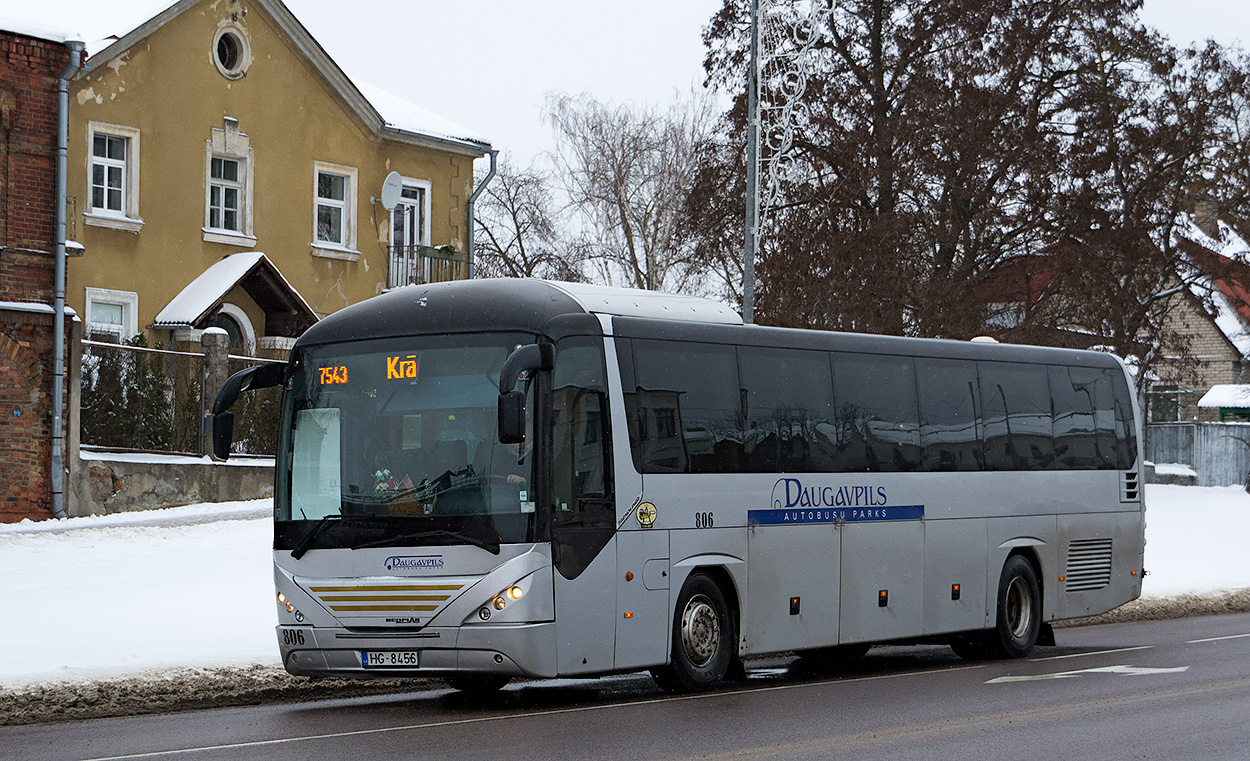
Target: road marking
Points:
(1216, 639)
(524, 715)
(1125, 670)
(1096, 652)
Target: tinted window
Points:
(789, 411)
(875, 412)
(687, 407)
(950, 432)
(583, 512)
(1125, 426)
(1085, 435)
(1015, 400)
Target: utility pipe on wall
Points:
(494, 154)
(58, 304)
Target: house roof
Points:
(1225, 277)
(34, 29)
(1226, 395)
(109, 34)
(258, 276)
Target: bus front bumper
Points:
(503, 649)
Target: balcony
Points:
(417, 265)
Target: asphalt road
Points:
(1156, 690)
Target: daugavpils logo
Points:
(414, 562)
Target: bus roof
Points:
(502, 304)
(536, 306)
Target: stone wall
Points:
(119, 482)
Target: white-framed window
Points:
(229, 169)
(113, 176)
(225, 192)
(112, 315)
(410, 229)
(232, 51)
(334, 211)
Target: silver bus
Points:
(493, 479)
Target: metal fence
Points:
(137, 398)
(1218, 452)
(416, 265)
(133, 397)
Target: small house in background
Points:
(1209, 323)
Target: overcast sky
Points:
(487, 64)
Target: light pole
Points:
(753, 170)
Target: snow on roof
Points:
(204, 292)
(1230, 244)
(97, 24)
(1226, 395)
(37, 30)
(1226, 317)
(403, 116)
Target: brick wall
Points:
(28, 115)
(1211, 358)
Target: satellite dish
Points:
(392, 189)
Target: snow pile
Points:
(106, 596)
(192, 587)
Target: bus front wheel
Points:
(704, 638)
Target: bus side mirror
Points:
(523, 359)
(255, 377)
(223, 435)
(512, 417)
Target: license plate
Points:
(388, 659)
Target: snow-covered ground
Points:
(119, 595)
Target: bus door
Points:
(583, 509)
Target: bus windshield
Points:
(395, 442)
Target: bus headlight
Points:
(515, 592)
(284, 602)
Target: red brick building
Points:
(29, 67)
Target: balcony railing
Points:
(415, 265)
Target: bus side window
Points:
(1125, 428)
(1075, 395)
(788, 400)
(1016, 402)
(583, 509)
(950, 414)
(876, 416)
(689, 415)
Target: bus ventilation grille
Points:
(1130, 488)
(1089, 565)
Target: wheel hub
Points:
(1019, 608)
(700, 631)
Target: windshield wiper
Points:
(312, 535)
(486, 544)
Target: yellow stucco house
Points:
(223, 171)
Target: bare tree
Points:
(518, 233)
(626, 171)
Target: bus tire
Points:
(704, 638)
(477, 684)
(1019, 616)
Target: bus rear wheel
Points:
(1018, 620)
(704, 638)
